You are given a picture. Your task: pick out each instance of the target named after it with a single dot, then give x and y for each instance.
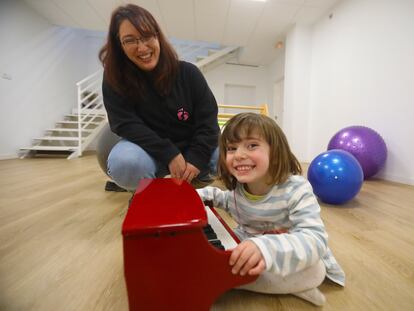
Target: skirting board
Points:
(398, 179)
(8, 156)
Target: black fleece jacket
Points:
(184, 122)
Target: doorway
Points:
(278, 108)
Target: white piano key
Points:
(222, 234)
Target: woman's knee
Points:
(206, 175)
(128, 163)
(212, 165)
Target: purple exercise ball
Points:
(365, 144)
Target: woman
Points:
(161, 107)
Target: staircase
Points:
(216, 58)
(204, 55)
(77, 130)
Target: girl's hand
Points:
(190, 172)
(177, 166)
(247, 258)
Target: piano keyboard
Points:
(217, 234)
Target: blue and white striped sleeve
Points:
(216, 195)
(306, 241)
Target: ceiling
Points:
(256, 26)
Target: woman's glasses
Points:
(132, 42)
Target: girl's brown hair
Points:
(282, 162)
(120, 72)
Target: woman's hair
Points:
(282, 162)
(120, 72)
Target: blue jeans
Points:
(128, 163)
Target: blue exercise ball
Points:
(336, 176)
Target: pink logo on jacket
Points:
(182, 114)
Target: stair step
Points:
(75, 116)
(58, 138)
(212, 51)
(67, 130)
(50, 148)
(89, 114)
(76, 122)
(220, 57)
(96, 111)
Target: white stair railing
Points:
(217, 58)
(90, 109)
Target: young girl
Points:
(283, 237)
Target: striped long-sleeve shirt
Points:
(291, 206)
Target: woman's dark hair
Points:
(282, 162)
(120, 72)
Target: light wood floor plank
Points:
(61, 244)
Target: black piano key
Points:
(209, 232)
(217, 244)
(212, 237)
(208, 228)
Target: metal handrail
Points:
(100, 71)
(92, 109)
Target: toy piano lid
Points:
(164, 205)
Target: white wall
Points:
(39, 63)
(94, 42)
(240, 76)
(296, 95)
(276, 74)
(361, 73)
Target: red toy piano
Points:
(168, 260)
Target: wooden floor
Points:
(60, 244)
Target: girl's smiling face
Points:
(248, 161)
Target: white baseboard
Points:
(398, 179)
(8, 156)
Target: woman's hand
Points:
(190, 172)
(177, 166)
(247, 258)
